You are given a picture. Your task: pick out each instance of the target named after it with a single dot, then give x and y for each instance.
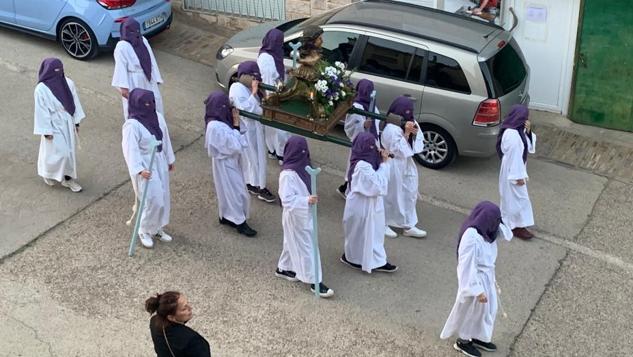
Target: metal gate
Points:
(255, 9)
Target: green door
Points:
(603, 91)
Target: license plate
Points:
(154, 21)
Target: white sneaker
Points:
(72, 185)
(146, 240)
(414, 232)
(390, 233)
(163, 237)
(49, 181)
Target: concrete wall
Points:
(303, 8)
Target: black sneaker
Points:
(324, 291)
(466, 347)
(286, 274)
(387, 268)
(227, 222)
(345, 261)
(280, 159)
(271, 155)
(341, 190)
(486, 346)
(252, 189)
(246, 230)
(266, 196)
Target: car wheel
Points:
(439, 148)
(77, 39)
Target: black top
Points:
(184, 341)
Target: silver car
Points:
(463, 74)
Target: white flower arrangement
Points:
(333, 85)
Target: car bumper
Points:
(112, 41)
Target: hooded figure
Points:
(245, 95)
(297, 261)
(145, 126)
(514, 143)
(271, 65)
(356, 123)
(364, 215)
(135, 65)
(473, 314)
(403, 143)
(57, 115)
(225, 144)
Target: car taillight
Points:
(116, 4)
(488, 113)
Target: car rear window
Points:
(507, 69)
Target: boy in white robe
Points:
(135, 65)
(144, 126)
(271, 66)
(400, 203)
(473, 315)
(356, 123)
(514, 142)
(225, 144)
(244, 95)
(364, 215)
(297, 261)
(58, 113)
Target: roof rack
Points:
(404, 32)
(431, 9)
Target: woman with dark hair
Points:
(514, 142)
(171, 337)
(473, 315)
(135, 65)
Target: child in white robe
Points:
(225, 145)
(473, 315)
(244, 95)
(58, 113)
(271, 65)
(135, 65)
(400, 203)
(356, 123)
(514, 142)
(144, 126)
(297, 259)
(364, 215)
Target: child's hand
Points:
(313, 200)
(482, 298)
(520, 182)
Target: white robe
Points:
(364, 216)
(254, 158)
(57, 157)
(137, 151)
(403, 182)
(354, 125)
(516, 208)
(275, 139)
(297, 223)
(129, 74)
(475, 274)
(225, 147)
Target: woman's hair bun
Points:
(151, 304)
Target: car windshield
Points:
(507, 69)
(290, 25)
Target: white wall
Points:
(547, 35)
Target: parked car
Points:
(463, 74)
(84, 27)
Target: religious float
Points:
(316, 96)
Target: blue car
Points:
(84, 27)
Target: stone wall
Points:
(304, 8)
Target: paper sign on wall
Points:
(536, 13)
